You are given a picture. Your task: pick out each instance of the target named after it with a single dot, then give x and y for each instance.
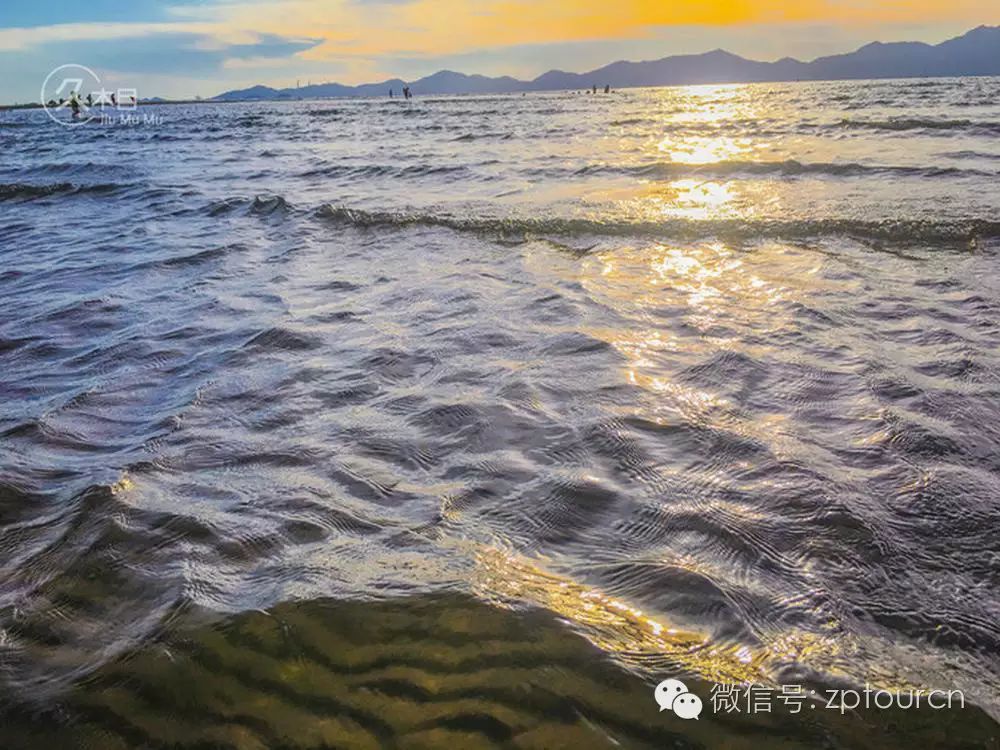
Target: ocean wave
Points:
(330, 115)
(18, 190)
(899, 232)
(914, 123)
(69, 169)
(970, 154)
(258, 205)
(385, 170)
(266, 205)
(502, 136)
(26, 191)
(786, 168)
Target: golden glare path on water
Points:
(719, 287)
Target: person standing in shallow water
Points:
(74, 104)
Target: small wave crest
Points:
(915, 123)
(900, 232)
(259, 205)
(467, 137)
(384, 170)
(28, 191)
(785, 168)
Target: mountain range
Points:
(976, 53)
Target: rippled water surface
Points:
(709, 377)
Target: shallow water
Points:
(425, 672)
(712, 374)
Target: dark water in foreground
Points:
(467, 421)
(426, 672)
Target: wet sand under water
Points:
(424, 672)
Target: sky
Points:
(188, 48)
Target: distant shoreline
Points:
(417, 94)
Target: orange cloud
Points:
(352, 29)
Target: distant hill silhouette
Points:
(976, 53)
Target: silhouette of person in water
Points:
(390, 93)
(607, 88)
(74, 104)
(406, 92)
(90, 100)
